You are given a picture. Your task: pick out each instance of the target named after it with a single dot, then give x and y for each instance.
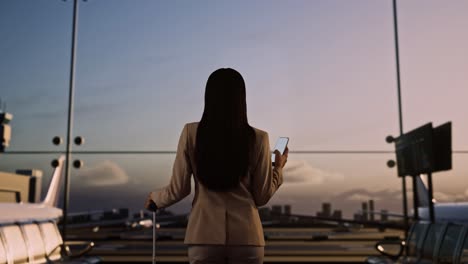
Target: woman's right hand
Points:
(280, 160)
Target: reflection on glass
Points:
(343, 181)
(424, 98)
(34, 70)
(335, 88)
(417, 235)
(448, 246)
(431, 239)
(11, 163)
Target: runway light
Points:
(158, 226)
(380, 248)
(96, 229)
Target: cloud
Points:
(349, 202)
(299, 171)
(106, 173)
(362, 197)
(443, 197)
(389, 199)
(365, 195)
(449, 197)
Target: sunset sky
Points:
(320, 72)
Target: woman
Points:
(233, 175)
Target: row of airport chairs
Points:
(427, 243)
(39, 242)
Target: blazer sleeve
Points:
(266, 178)
(180, 184)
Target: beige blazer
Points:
(222, 218)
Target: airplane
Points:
(454, 212)
(46, 210)
(443, 212)
(29, 231)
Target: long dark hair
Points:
(224, 137)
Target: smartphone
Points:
(281, 145)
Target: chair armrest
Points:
(85, 245)
(380, 247)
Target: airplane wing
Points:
(46, 210)
(19, 213)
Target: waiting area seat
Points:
(426, 243)
(39, 242)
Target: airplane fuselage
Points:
(446, 212)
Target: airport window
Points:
(319, 72)
(139, 80)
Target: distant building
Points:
(265, 213)
(364, 212)
(141, 215)
(164, 212)
(357, 217)
(276, 210)
(95, 215)
(287, 209)
(107, 215)
(124, 212)
(383, 215)
(81, 218)
(112, 215)
(120, 213)
(371, 210)
(337, 214)
(326, 209)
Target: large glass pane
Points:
(124, 180)
(10, 163)
(107, 182)
(320, 72)
(433, 62)
(345, 181)
(448, 186)
(451, 186)
(34, 70)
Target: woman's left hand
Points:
(150, 204)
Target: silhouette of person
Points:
(233, 174)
